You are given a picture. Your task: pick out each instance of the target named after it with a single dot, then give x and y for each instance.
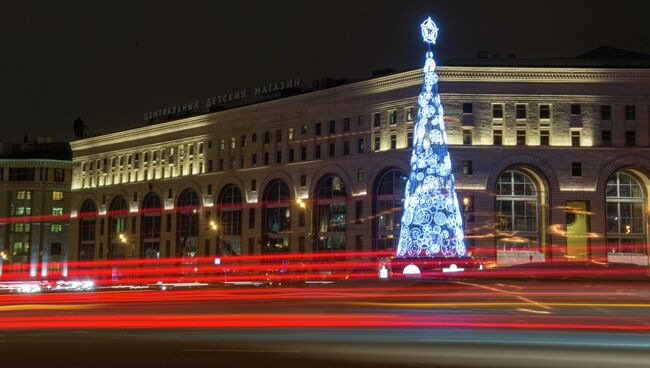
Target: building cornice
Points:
(447, 74)
(32, 161)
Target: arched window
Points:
(230, 220)
(117, 215)
(331, 206)
(187, 224)
(518, 213)
(387, 208)
(276, 217)
(626, 230)
(150, 219)
(87, 222)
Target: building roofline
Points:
(448, 74)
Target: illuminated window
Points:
(467, 136)
(331, 211)
(57, 196)
(290, 134)
(303, 129)
(517, 205)
(56, 228)
(468, 167)
(409, 114)
(230, 216)
(393, 141)
(575, 138)
(57, 210)
(376, 120)
(392, 117)
(625, 214)
(233, 143)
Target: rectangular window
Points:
(361, 145)
(254, 160)
(467, 167)
(360, 120)
(222, 145)
(377, 143)
(220, 164)
(59, 175)
(576, 169)
(318, 129)
(630, 138)
(57, 210)
(290, 134)
(278, 135)
(497, 111)
(57, 196)
(575, 138)
(606, 112)
(332, 149)
(576, 109)
(409, 139)
(251, 218)
(358, 212)
(376, 120)
(630, 113)
(520, 110)
(253, 185)
(303, 129)
(606, 138)
(467, 137)
(544, 137)
(254, 137)
(346, 147)
(56, 228)
(278, 157)
(497, 138)
(393, 141)
(303, 153)
(242, 141)
(332, 126)
(521, 137)
(303, 180)
(468, 108)
(359, 175)
(267, 137)
(291, 155)
(409, 114)
(266, 158)
(346, 124)
(317, 151)
(392, 117)
(168, 223)
(209, 168)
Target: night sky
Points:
(111, 62)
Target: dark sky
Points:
(110, 62)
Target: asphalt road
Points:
(461, 323)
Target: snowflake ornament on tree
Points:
(431, 222)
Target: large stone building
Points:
(551, 163)
(34, 205)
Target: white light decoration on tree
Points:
(431, 222)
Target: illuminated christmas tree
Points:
(431, 222)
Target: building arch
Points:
(535, 166)
(521, 215)
(151, 211)
(188, 205)
(387, 203)
(229, 219)
(87, 218)
(276, 216)
(117, 219)
(330, 197)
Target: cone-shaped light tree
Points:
(431, 222)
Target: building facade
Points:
(34, 207)
(551, 164)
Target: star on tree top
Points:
(429, 31)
